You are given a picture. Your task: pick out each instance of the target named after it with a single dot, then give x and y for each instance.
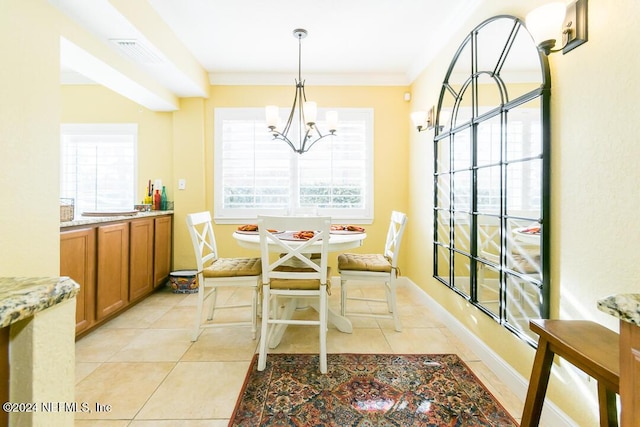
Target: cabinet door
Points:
(113, 269)
(629, 373)
(140, 258)
(162, 250)
(78, 261)
(5, 368)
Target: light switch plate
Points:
(182, 184)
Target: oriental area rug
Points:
(366, 390)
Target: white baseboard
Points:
(552, 415)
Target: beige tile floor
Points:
(144, 365)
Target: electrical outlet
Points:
(182, 184)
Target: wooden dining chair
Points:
(300, 271)
(377, 267)
(215, 272)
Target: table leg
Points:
(279, 329)
(537, 385)
(608, 407)
(341, 323)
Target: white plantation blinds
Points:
(255, 174)
(98, 166)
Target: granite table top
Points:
(625, 307)
(22, 297)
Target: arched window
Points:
(491, 151)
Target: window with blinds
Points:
(98, 166)
(255, 174)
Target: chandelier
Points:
(308, 132)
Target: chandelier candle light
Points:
(307, 112)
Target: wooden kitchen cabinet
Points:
(629, 373)
(112, 286)
(116, 263)
(141, 244)
(162, 250)
(78, 261)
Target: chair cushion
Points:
(364, 262)
(528, 264)
(304, 284)
(234, 267)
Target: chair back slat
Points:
(203, 239)
(294, 253)
(394, 237)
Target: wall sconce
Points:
(424, 120)
(547, 22)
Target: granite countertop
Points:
(623, 306)
(99, 219)
(22, 297)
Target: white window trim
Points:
(131, 129)
(366, 216)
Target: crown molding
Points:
(278, 79)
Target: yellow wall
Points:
(41, 346)
(594, 179)
(190, 162)
(29, 149)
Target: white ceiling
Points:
(366, 42)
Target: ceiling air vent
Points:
(137, 51)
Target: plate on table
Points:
(247, 229)
(343, 229)
(533, 230)
(291, 236)
(256, 232)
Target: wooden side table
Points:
(587, 345)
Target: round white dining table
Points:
(522, 235)
(337, 243)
